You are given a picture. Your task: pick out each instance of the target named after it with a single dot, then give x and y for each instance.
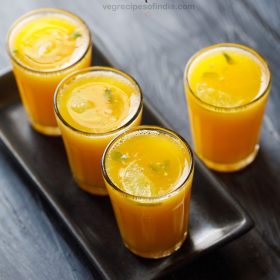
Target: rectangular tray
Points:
(216, 218)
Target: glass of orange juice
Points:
(148, 173)
(45, 45)
(227, 86)
(93, 106)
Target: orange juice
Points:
(45, 46)
(227, 86)
(148, 173)
(93, 106)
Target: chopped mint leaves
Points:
(75, 35)
(228, 58)
(161, 167)
(118, 156)
(109, 95)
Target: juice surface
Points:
(148, 164)
(227, 77)
(49, 42)
(98, 102)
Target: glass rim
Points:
(245, 48)
(159, 129)
(96, 69)
(42, 11)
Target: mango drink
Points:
(45, 45)
(93, 106)
(148, 173)
(227, 86)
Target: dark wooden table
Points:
(153, 46)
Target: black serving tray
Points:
(216, 218)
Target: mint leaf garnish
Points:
(118, 156)
(109, 95)
(161, 167)
(210, 75)
(228, 58)
(75, 35)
